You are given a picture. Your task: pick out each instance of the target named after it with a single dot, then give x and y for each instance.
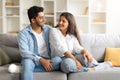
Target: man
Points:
(34, 45)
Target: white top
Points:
(42, 48)
(60, 44)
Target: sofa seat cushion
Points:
(56, 75)
(5, 75)
(110, 74)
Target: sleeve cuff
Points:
(79, 50)
(37, 58)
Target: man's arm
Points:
(24, 47)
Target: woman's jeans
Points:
(69, 65)
(29, 66)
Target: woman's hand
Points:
(88, 55)
(69, 55)
(46, 64)
(79, 66)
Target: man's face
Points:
(40, 19)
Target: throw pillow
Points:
(4, 58)
(12, 52)
(113, 55)
(13, 68)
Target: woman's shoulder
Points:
(73, 37)
(54, 30)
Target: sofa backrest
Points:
(96, 43)
(9, 40)
(9, 43)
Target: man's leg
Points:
(27, 69)
(55, 64)
(39, 67)
(56, 61)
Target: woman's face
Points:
(63, 24)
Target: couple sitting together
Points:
(45, 49)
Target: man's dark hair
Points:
(33, 12)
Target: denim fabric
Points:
(28, 43)
(69, 65)
(29, 51)
(84, 62)
(30, 66)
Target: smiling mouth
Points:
(60, 25)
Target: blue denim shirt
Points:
(28, 44)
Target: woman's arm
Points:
(69, 55)
(87, 55)
(57, 44)
(79, 49)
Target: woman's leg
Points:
(68, 65)
(84, 61)
(103, 66)
(94, 65)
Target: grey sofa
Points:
(95, 43)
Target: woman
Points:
(65, 43)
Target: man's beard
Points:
(38, 24)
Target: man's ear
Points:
(33, 20)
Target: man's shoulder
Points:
(47, 27)
(25, 30)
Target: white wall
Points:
(113, 16)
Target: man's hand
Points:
(46, 64)
(88, 55)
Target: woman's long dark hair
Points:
(72, 28)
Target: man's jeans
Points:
(29, 66)
(69, 65)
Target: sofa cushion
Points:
(5, 75)
(96, 43)
(109, 74)
(9, 40)
(12, 52)
(4, 58)
(113, 55)
(55, 75)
